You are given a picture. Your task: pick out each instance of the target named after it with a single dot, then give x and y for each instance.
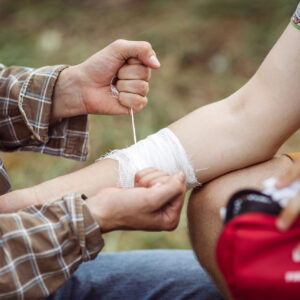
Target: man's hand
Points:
(85, 88)
(292, 210)
(148, 208)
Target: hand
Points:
(292, 210)
(152, 209)
(85, 88)
(150, 177)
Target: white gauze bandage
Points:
(161, 150)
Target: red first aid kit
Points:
(257, 260)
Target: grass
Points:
(208, 49)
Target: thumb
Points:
(164, 193)
(123, 50)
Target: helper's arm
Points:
(246, 128)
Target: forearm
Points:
(86, 181)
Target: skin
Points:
(291, 212)
(153, 205)
(205, 224)
(254, 123)
(244, 129)
(85, 88)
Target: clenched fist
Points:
(85, 88)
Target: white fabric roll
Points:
(162, 150)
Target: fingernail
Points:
(154, 61)
(180, 176)
(281, 225)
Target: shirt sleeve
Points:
(41, 246)
(26, 96)
(295, 20)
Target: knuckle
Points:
(119, 42)
(144, 73)
(172, 223)
(148, 73)
(138, 177)
(144, 101)
(136, 99)
(144, 87)
(178, 186)
(146, 45)
(143, 183)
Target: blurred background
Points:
(207, 48)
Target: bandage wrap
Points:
(162, 150)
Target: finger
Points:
(289, 214)
(145, 171)
(145, 181)
(290, 176)
(134, 61)
(143, 51)
(162, 194)
(139, 175)
(114, 106)
(139, 87)
(171, 212)
(134, 101)
(138, 72)
(159, 180)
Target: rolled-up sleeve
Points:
(26, 97)
(41, 246)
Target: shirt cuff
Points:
(84, 225)
(67, 138)
(295, 20)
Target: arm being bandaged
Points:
(162, 150)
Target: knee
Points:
(204, 217)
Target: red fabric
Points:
(258, 261)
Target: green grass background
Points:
(207, 48)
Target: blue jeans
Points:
(149, 274)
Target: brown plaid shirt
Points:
(41, 246)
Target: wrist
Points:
(103, 219)
(67, 97)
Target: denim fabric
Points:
(149, 274)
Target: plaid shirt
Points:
(41, 246)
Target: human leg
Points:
(205, 224)
(150, 274)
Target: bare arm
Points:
(249, 126)
(246, 128)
